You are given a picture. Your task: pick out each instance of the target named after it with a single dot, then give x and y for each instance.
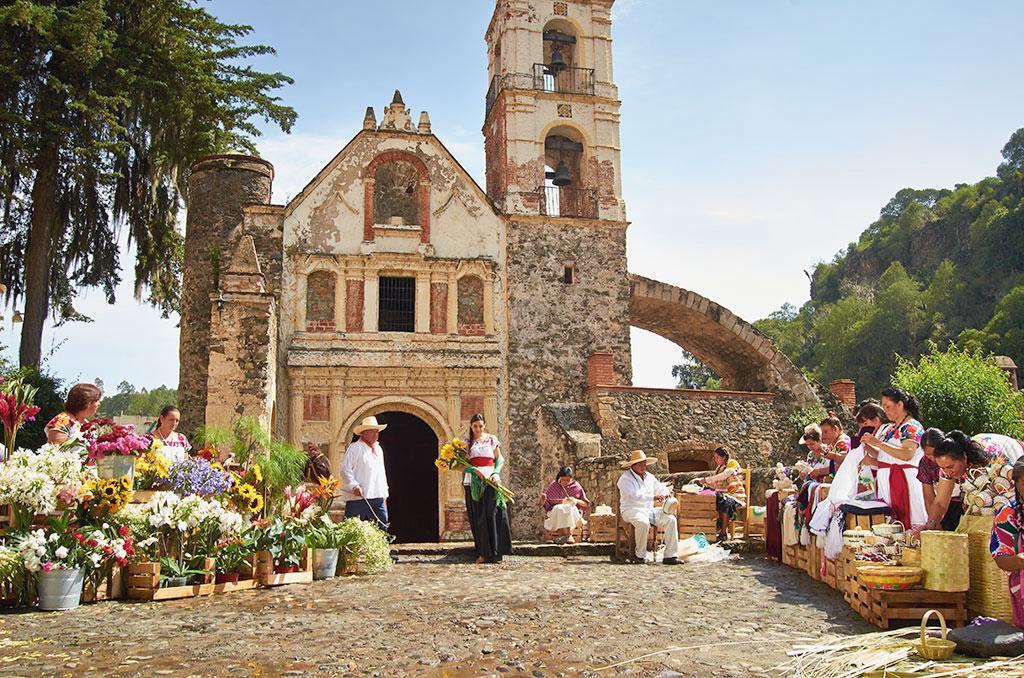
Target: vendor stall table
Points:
(697, 514)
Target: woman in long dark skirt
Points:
(488, 518)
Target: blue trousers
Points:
(370, 510)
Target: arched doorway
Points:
(410, 448)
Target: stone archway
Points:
(744, 358)
(689, 455)
(410, 443)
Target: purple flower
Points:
(198, 476)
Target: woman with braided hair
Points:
(1007, 545)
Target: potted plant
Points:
(325, 540)
(114, 447)
(60, 560)
(152, 471)
(16, 407)
(232, 554)
(365, 548)
(174, 572)
(286, 540)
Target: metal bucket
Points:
(115, 466)
(60, 589)
(325, 563)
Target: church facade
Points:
(393, 285)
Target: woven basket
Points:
(889, 578)
(944, 559)
(911, 557)
(989, 594)
(935, 649)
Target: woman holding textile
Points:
(956, 456)
(1007, 544)
(730, 493)
(565, 502)
(896, 448)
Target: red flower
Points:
(92, 543)
(124, 530)
(77, 536)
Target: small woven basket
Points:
(935, 649)
(945, 561)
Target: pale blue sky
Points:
(758, 137)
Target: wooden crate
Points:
(111, 587)
(831, 576)
(800, 561)
(602, 528)
(697, 514)
(144, 584)
(267, 577)
(863, 522)
(814, 558)
(789, 555)
(881, 608)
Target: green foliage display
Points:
(939, 265)
(962, 389)
(281, 464)
(106, 103)
(366, 542)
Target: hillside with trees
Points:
(939, 266)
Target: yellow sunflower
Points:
(109, 491)
(256, 504)
(440, 465)
(125, 482)
(257, 474)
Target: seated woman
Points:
(956, 456)
(565, 503)
(727, 482)
(175, 445)
(82, 402)
(836, 442)
(817, 459)
(1007, 544)
(896, 449)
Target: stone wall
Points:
(219, 188)
(553, 327)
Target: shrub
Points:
(962, 389)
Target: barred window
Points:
(397, 305)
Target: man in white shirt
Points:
(638, 491)
(364, 483)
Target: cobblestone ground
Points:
(533, 616)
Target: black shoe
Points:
(670, 561)
(633, 560)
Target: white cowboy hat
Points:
(637, 456)
(370, 423)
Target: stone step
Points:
(755, 545)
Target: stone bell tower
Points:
(551, 132)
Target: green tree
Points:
(692, 373)
(104, 105)
(962, 389)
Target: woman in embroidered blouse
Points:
(1007, 546)
(82, 402)
(955, 456)
(817, 453)
(565, 502)
(488, 518)
(730, 493)
(175, 445)
(896, 448)
(837, 443)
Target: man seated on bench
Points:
(638, 490)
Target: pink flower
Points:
(47, 566)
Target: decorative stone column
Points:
(220, 186)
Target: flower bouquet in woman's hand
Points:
(453, 457)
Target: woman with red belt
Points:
(896, 447)
(488, 518)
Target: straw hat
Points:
(369, 424)
(637, 456)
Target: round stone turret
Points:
(219, 187)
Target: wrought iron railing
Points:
(563, 80)
(568, 201)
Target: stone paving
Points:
(440, 616)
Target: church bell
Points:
(557, 60)
(561, 177)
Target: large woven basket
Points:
(989, 595)
(945, 561)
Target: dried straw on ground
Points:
(886, 651)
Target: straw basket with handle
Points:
(944, 559)
(935, 649)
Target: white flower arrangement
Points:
(38, 482)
